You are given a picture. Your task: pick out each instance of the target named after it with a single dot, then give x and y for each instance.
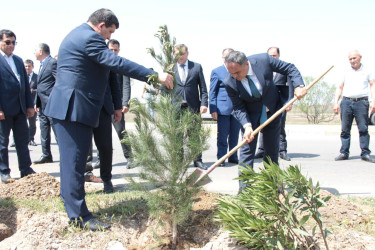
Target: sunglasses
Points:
(7, 42)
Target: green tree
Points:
(164, 146)
(316, 106)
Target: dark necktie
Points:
(253, 88)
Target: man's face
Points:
(273, 52)
(238, 71)
(38, 54)
(355, 60)
(181, 58)
(106, 32)
(29, 68)
(8, 48)
(114, 47)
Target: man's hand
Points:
(336, 108)
(247, 135)
(289, 108)
(166, 79)
(125, 109)
(2, 116)
(117, 115)
(203, 109)
(214, 115)
(300, 92)
(372, 107)
(30, 112)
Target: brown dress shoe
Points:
(90, 177)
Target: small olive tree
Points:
(317, 105)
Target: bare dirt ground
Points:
(22, 228)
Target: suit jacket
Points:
(112, 98)
(263, 66)
(218, 97)
(33, 85)
(84, 62)
(46, 81)
(194, 87)
(286, 91)
(15, 96)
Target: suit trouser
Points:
(271, 145)
(121, 133)
(74, 142)
(283, 141)
(228, 129)
(45, 134)
(32, 127)
(103, 142)
(17, 123)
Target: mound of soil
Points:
(22, 228)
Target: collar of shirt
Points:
(254, 78)
(42, 62)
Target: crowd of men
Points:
(80, 95)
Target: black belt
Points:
(356, 99)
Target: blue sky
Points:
(311, 34)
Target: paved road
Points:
(312, 147)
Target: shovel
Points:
(199, 177)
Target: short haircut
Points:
(45, 48)
(227, 49)
(277, 49)
(29, 61)
(236, 57)
(180, 46)
(114, 42)
(7, 33)
(104, 15)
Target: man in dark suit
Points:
(29, 66)
(221, 110)
(77, 98)
(286, 94)
(252, 91)
(15, 106)
(125, 93)
(191, 87)
(46, 81)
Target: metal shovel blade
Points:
(196, 175)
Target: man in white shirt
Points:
(354, 89)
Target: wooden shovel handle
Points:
(256, 131)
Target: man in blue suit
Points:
(221, 110)
(46, 81)
(252, 91)
(15, 106)
(33, 78)
(84, 63)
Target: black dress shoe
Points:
(108, 187)
(32, 143)
(222, 164)
(92, 224)
(259, 155)
(341, 157)
(368, 158)
(200, 164)
(29, 173)
(233, 161)
(43, 160)
(97, 164)
(284, 156)
(5, 178)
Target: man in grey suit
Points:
(77, 99)
(46, 81)
(286, 93)
(191, 87)
(15, 106)
(29, 66)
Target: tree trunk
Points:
(174, 235)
